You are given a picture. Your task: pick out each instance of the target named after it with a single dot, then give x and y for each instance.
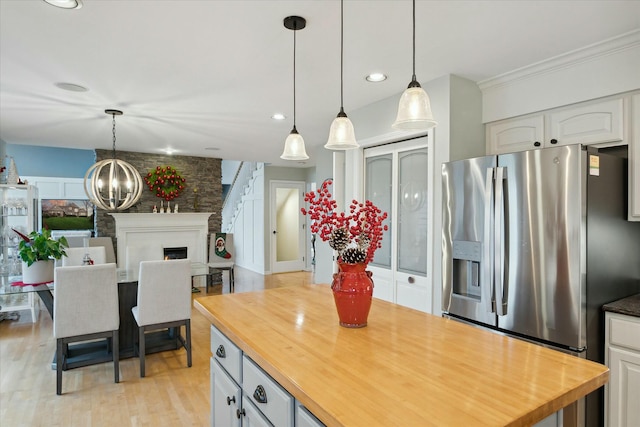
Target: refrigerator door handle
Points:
(487, 287)
(499, 255)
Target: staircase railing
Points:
(236, 191)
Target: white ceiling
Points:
(204, 77)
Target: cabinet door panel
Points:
(225, 398)
(624, 388)
(252, 417)
(590, 124)
(513, 135)
(634, 160)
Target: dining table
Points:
(84, 354)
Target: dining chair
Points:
(75, 256)
(85, 308)
(164, 301)
(222, 256)
(107, 243)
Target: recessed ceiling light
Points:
(212, 148)
(376, 77)
(278, 116)
(66, 4)
(72, 87)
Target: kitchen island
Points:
(405, 368)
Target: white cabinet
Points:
(17, 212)
(225, 398)
(304, 418)
(622, 356)
(634, 160)
(242, 394)
(519, 134)
(593, 122)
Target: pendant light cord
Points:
(341, 54)
(414, 41)
(295, 28)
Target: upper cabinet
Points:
(634, 159)
(594, 122)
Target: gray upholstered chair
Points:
(85, 308)
(221, 263)
(164, 301)
(107, 243)
(75, 256)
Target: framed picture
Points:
(67, 214)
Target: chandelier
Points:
(112, 184)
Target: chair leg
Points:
(59, 359)
(116, 356)
(188, 340)
(232, 280)
(141, 349)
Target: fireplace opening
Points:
(175, 253)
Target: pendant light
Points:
(414, 109)
(341, 134)
(124, 184)
(294, 144)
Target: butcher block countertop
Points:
(405, 368)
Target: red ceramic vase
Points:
(352, 291)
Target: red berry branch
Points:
(361, 230)
(165, 181)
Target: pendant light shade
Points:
(414, 109)
(112, 184)
(294, 147)
(342, 136)
(294, 144)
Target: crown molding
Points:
(570, 59)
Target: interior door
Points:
(287, 226)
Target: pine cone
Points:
(363, 241)
(339, 239)
(353, 256)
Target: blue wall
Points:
(34, 160)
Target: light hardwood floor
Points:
(170, 395)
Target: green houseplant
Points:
(38, 250)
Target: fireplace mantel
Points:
(143, 236)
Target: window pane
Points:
(412, 211)
(378, 191)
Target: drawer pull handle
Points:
(240, 412)
(231, 399)
(260, 394)
(220, 352)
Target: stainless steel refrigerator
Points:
(534, 243)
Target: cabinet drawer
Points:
(227, 354)
(624, 332)
(268, 396)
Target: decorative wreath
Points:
(165, 181)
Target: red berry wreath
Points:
(165, 181)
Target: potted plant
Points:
(38, 250)
(355, 235)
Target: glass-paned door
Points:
(396, 179)
(412, 211)
(378, 190)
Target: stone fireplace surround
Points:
(143, 236)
